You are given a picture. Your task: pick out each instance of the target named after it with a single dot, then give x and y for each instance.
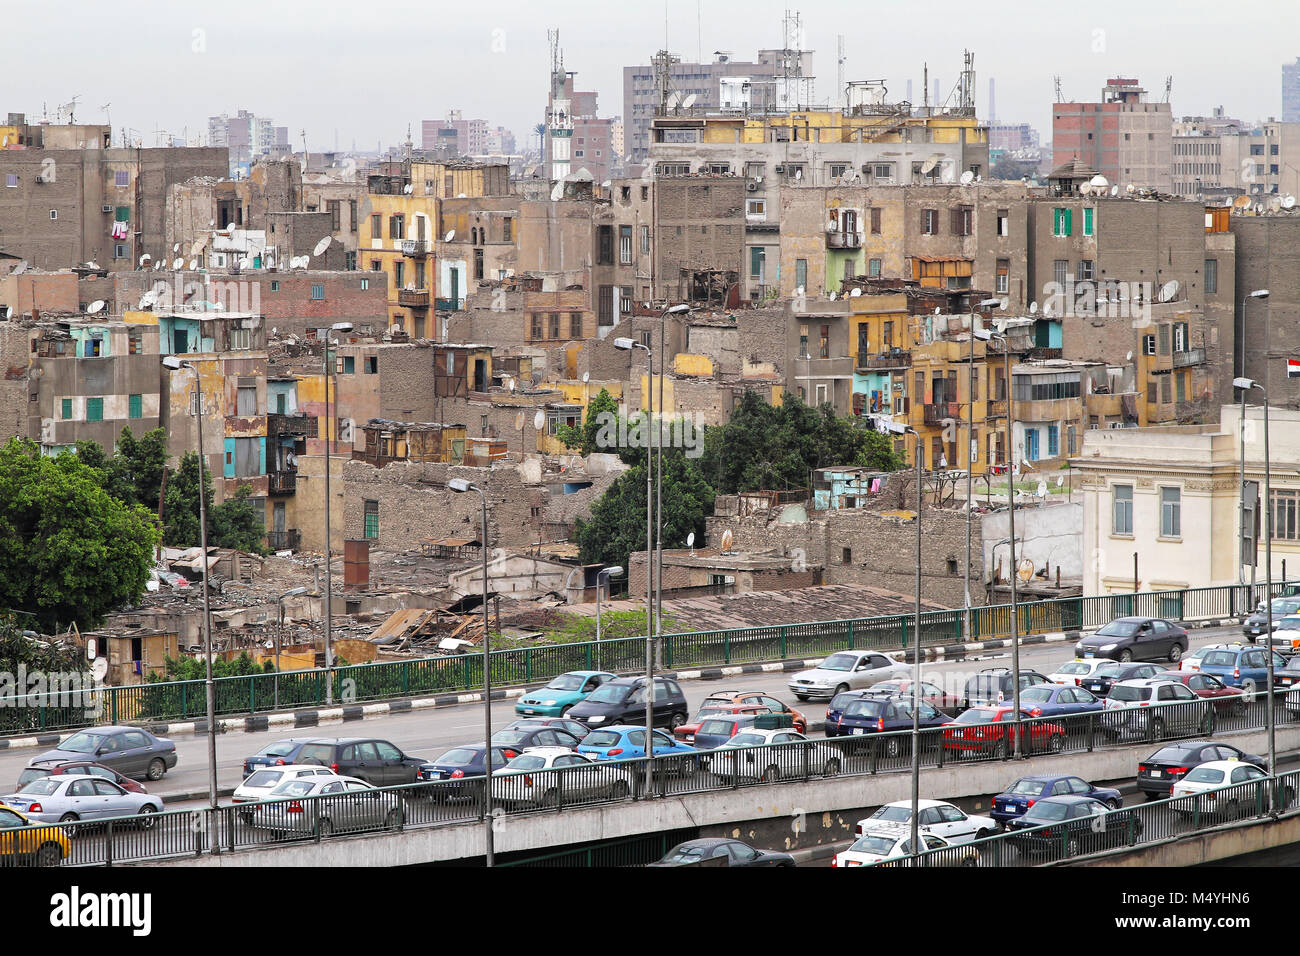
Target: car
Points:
(932, 694)
(1210, 688)
(1288, 676)
(757, 698)
(1153, 709)
(1241, 665)
(993, 685)
(1192, 661)
(130, 751)
(1223, 788)
(1257, 623)
(21, 841)
(1012, 802)
(375, 761)
(49, 768)
(1074, 823)
(1142, 638)
(1058, 700)
(990, 730)
(687, 731)
(552, 776)
(845, 670)
(342, 804)
(1111, 673)
(627, 742)
(717, 730)
(516, 741)
(729, 852)
(891, 844)
(555, 699)
(771, 755)
(622, 701)
(1075, 671)
(278, 753)
(74, 799)
(261, 782)
(461, 769)
(934, 816)
(575, 727)
(885, 715)
(1285, 637)
(1157, 774)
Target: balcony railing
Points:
(937, 412)
(844, 240)
(282, 482)
(895, 358)
(284, 540)
(415, 247)
(1190, 357)
(416, 299)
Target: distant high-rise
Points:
(1291, 92)
(1124, 136)
(248, 137)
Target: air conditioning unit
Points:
(866, 169)
(779, 171)
(752, 187)
(106, 207)
(40, 179)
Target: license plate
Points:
(1087, 654)
(529, 710)
(1157, 773)
(857, 731)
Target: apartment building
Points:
(1124, 136)
(1211, 161)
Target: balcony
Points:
(1041, 352)
(284, 540)
(413, 298)
(937, 413)
(282, 482)
(894, 358)
(1188, 358)
(844, 240)
(415, 247)
(447, 305)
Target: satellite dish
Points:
(1085, 189)
(176, 247)
(832, 296)
(1060, 480)
(408, 189)
(586, 377)
(1288, 202)
(1042, 488)
(1169, 290)
(674, 100)
(1130, 189)
(1099, 182)
(1241, 202)
(98, 668)
(449, 236)
(20, 268)
(727, 538)
(94, 306)
(539, 420)
(196, 247)
(194, 264)
(519, 422)
(690, 540)
(9, 310)
(855, 293)
(936, 310)
(1033, 307)
(1047, 310)
(928, 166)
(243, 262)
(321, 246)
(967, 178)
(1275, 203)
(145, 258)
(557, 192)
(1259, 208)
(1129, 357)
(1025, 569)
(178, 263)
(211, 222)
(160, 264)
(689, 101)
(1114, 190)
(1006, 301)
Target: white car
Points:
(890, 842)
(936, 816)
(759, 754)
(261, 782)
(1074, 672)
(846, 670)
(1192, 661)
(1248, 787)
(547, 776)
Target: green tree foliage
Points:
(766, 446)
(584, 438)
(133, 474)
(617, 525)
(1008, 168)
(69, 551)
(235, 524)
(181, 505)
(194, 668)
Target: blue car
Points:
(626, 742)
(884, 715)
(555, 699)
(459, 767)
(278, 753)
(835, 709)
(1241, 665)
(1013, 802)
(1058, 700)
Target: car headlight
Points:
(1109, 647)
(548, 703)
(595, 720)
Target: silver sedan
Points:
(332, 804)
(846, 670)
(76, 799)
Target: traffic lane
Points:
(429, 733)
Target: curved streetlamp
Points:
(330, 433)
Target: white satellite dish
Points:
(1128, 357)
(178, 263)
(1259, 208)
(557, 192)
(1130, 189)
(1042, 488)
(1006, 301)
(408, 189)
(196, 247)
(322, 246)
(855, 293)
(20, 268)
(1060, 480)
(690, 540)
(99, 668)
(831, 296)
(1025, 569)
(967, 178)
(928, 166)
(1169, 290)
(176, 247)
(8, 311)
(211, 223)
(94, 306)
(539, 420)
(145, 258)
(243, 262)
(1114, 190)
(1099, 182)
(674, 100)
(160, 264)
(586, 377)
(449, 236)
(1033, 307)
(689, 101)
(936, 310)
(1288, 202)
(194, 264)
(519, 422)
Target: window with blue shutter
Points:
(1053, 441)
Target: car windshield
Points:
(1038, 694)
(1027, 787)
(977, 715)
(1170, 755)
(685, 854)
(82, 743)
(747, 740)
(601, 738)
(1107, 670)
(42, 787)
(1200, 652)
(714, 727)
(609, 694)
(898, 814)
(878, 845)
(890, 687)
(460, 757)
(706, 709)
(1119, 629)
(1128, 693)
(1285, 605)
(1204, 775)
(294, 788)
(527, 762)
(506, 738)
(839, 662)
(278, 749)
(866, 708)
(1219, 659)
(566, 682)
(840, 701)
(1047, 811)
(1074, 667)
(263, 778)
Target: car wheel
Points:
(893, 747)
(801, 696)
(842, 689)
(50, 854)
(1125, 656)
(147, 817)
(772, 774)
(69, 820)
(1150, 797)
(1072, 847)
(277, 834)
(1176, 653)
(676, 721)
(983, 834)
(1055, 743)
(156, 769)
(1113, 803)
(1156, 730)
(393, 819)
(620, 790)
(832, 768)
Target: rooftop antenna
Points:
(839, 71)
(108, 120)
(1056, 81)
(1169, 85)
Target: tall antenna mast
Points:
(839, 73)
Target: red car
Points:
(712, 708)
(985, 730)
(932, 694)
(759, 699)
(1209, 686)
(54, 768)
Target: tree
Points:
(69, 551)
(1008, 168)
(235, 524)
(181, 505)
(617, 525)
(600, 410)
(134, 472)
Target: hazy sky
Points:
(365, 70)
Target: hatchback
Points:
(1153, 709)
(376, 762)
(1241, 665)
(555, 699)
(995, 685)
(717, 730)
(261, 782)
(622, 701)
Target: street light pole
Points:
(329, 555)
(659, 468)
(916, 662)
(1241, 435)
(970, 459)
(279, 638)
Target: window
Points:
(605, 255)
(349, 365)
(317, 291)
(962, 219)
(1003, 274)
(365, 284)
(535, 327)
(1122, 508)
(756, 208)
(1004, 222)
(625, 245)
(335, 213)
(1086, 270)
(372, 365)
(246, 401)
(1087, 221)
(1211, 276)
(846, 556)
(605, 305)
(66, 410)
(1060, 270)
(803, 342)
(399, 273)
(645, 240)
(508, 229)
(376, 230)
(1180, 336)
(553, 324)
(929, 222)
(1285, 511)
(800, 275)
(875, 222)
(478, 266)
(575, 325)
(11, 180)
(1171, 512)
(94, 409)
(1053, 441)
(1062, 220)
(1163, 332)
(54, 214)
(757, 262)
(837, 170)
(625, 300)
(121, 177)
(352, 215)
(824, 348)
(883, 170)
(396, 226)
(371, 519)
(121, 250)
(873, 268)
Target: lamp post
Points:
(460, 486)
(659, 467)
(626, 345)
(173, 364)
(970, 456)
(1241, 437)
(986, 335)
(279, 637)
(605, 573)
(1246, 384)
(329, 439)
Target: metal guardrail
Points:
(257, 693)
(460, 801)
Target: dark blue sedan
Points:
(1058, 700)
(884, 715)
(278, 753)
(459, 767)
(1025, 792)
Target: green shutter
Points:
(94, 409)
(136, 403)
(67, 409)
(1056, 221)
(1087, 222)
(122, 214)
(1069, 222)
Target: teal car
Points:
(560, 694)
